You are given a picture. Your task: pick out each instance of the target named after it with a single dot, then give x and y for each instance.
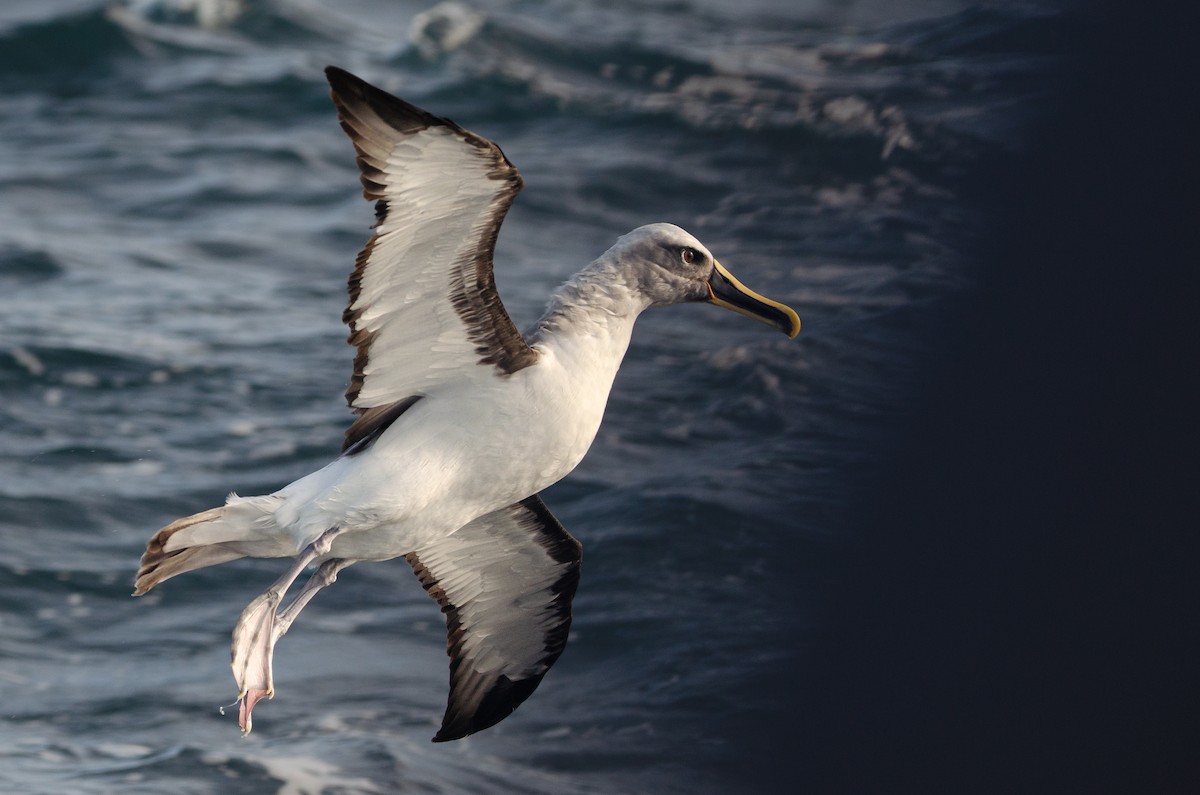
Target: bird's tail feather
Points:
(242, 526)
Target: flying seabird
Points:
(461, 419)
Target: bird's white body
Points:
(471, 446)
(461, 420)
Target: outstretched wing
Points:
(505, 582)
(423, 303)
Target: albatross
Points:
(460, 419)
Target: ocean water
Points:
(178, 214)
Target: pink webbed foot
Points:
(262, 624)
(253, 648)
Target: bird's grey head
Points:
(667, 265)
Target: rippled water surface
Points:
(178, 214)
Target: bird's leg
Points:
(255, 634)
(323, 577)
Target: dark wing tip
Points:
(351, 92)
(500, 702)
(339, 78)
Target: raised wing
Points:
(423, 303)
(505, 582)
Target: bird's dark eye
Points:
(689, 256)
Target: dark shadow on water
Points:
(1010, 615)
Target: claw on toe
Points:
(246, 704)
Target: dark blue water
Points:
(178, 214)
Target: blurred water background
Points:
(178, 214)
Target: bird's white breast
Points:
(464, 450)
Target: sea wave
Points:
(178, 214)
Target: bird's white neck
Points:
(590, 320)
(595, 303)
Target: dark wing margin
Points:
(371, 424)
(505, 582)
(390, 138)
